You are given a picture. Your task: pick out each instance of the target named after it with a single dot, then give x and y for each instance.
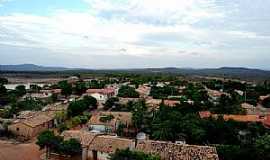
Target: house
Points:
(100, 146)
(266, 122)
(241, 93)
(215, 95)
(26, 114)
(205, 114)
(258, 118)
(171, 103)
(30, 127)
(124, 101)
(143, 91)
(153, 103)
(114, 86)
(55, 107)
(43, 94)
(37, 95)
(109, 121)
(73, 79)
(261, 98)
(102, 95)
(50, 91)
(239, 118)
(162, 84)
(250, 109)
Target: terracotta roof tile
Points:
(239, 118)
(37, 120)
(124, 117)
(171, 103)
(101, 91)
(109, 144)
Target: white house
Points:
(102, 95)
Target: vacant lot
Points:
(12, 151)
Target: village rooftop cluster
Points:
(164, 116)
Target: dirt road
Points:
(12, 151)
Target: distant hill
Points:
(235, 72)
(30, 67)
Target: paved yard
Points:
(12, 151)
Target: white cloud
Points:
(3, 1)
(163, 12)
(139, 28)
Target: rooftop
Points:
(167, 150)
(124, 117)
(101, 91)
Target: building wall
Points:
(100, 97)
(21, 130)
(26, 132)
(103, 156)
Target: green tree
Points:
(228, 105)
(266, 102)
(90, 102)
(127, 91)
(53, 98)
(111, 102)
(76, 108)
(138, 114)
(70, 147)
(35, 88)
(47, 140)
(3, 90)
(262, 146)
(66, 88)
(80, 88)
(62, 127)
(3, 81)
(76, 121)
(20, 90)
(120, 129)
(163, 92)
(163, 131)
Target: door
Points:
(95, 157)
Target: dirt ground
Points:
(19, 151)
(33, 80)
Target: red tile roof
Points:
(101, 91)
(239, 118)
(171, 103)
(205, 114)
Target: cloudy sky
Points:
(136, 33)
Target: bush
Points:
(54, 143)
(70, 147)
(62, 127)
(106, 118)
(76, 121)
(128, 92)
(78, 107)
(266, 102)
(110, 102)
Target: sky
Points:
(108, 34)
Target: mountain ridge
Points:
(241, 72)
